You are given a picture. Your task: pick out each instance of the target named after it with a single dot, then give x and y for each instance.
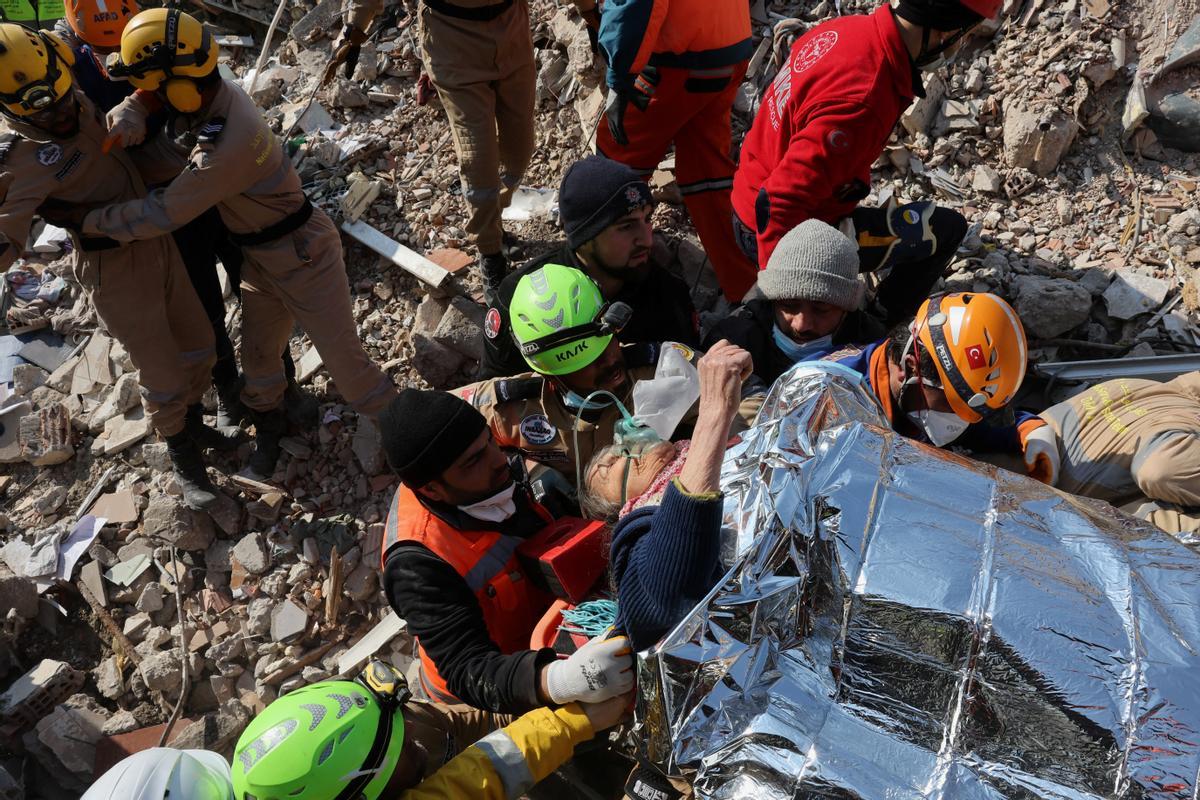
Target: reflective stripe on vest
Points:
(487, 561)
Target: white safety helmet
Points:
(164, 773)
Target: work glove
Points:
(126, 126)
(601, 669)
(614, 112)
(346, 48)
(1041, 455)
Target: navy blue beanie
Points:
(595, 193)
(424, 432)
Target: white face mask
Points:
(496, 508)
(941, 427)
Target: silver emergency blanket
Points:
(903, 622)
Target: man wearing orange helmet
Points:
(941, 377)
(823, 122)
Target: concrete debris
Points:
(1132, 293)
(162, 672)
(70, 732)
(46, 437)
(1050, 307)
(253, 553)
(287, 620)
(170, 521)
(123, 397)
(1037, 139)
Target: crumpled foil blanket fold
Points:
(902, 622)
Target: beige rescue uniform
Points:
(1131, 440)
(526, 414)
(236, 163)
(140, 290)
(446, 730)
(485, 76)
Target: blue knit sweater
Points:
(664, 561)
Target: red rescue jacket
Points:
(487, 561)
(822, 123)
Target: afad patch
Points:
(536, 429)
(49, 154)
(492, 323)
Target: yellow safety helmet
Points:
(164, 48)
(35, 69)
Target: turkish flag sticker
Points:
(975, 357)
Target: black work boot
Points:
(230, 410)
(269, 427)
(188, 468)
(493, 268)
(223, 439)
(303, 409)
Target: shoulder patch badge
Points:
(492, 323)
(210, 131)
(536, 429)
(7, 142)
(49, 154)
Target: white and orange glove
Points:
(1042, 460)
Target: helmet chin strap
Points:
(929, 56)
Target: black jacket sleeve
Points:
(674, 313)
(745, 329)
(442, 612)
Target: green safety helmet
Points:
(332, 740)
(560, 321)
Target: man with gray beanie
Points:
(805, 304)
(451, 568)
(605, 210)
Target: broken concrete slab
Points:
(125, 430)
(33, 695)
(1037, 139)
(387, 629)
(162, 671)
(121, 398)
(310, 362)
(1132, 293)
(18, 594)
(71, 732)
(169, 520)
(287, 620)
(117, 507)
(1050, 307)
(90, 575)
(253, 553)
(94, 367)
(127, 571)
(45, 436)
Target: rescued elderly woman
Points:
(665, 546)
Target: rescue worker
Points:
(567, 335)
(293, 268)
(959, 362)
(674, 69)
(605, 210)
(1134, 443)
(478, 54)
(93, 30)
(451, 570)
(807, 304)
(823, 122)
(52, 162)
(341, 739)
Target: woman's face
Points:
(609, 476)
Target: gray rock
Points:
(151, 598)
(121, 398)
(1132, 293)
(108, 678)
(18, 593)
(162, 671)
(1050, 307)
(156, 456)
(368, 446)
(71, 731)
(434, 362)
(987, 180)
(1037, 139)
(136, 627)
(259, 620)
(253, 553)
(170, 521)
(1095, 280)
(216, 557)
(461, 328)
(287, 620)
(121, 722)
(362, 583)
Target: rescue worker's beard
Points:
(627, 272)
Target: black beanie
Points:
(940, 15)
(425, 432)
(595, 193)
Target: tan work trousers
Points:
(445, 731)
(301, 277)
(142, 294)
(485, 75)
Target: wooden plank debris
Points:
(410, 261)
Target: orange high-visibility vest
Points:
(487, 561)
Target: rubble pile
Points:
(1082, 215)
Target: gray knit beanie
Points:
(813, 261)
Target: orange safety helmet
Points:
(978, 346)
(99, 23)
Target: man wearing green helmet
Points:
(567, 335)
(346, 740)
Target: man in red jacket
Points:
(824, 121)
